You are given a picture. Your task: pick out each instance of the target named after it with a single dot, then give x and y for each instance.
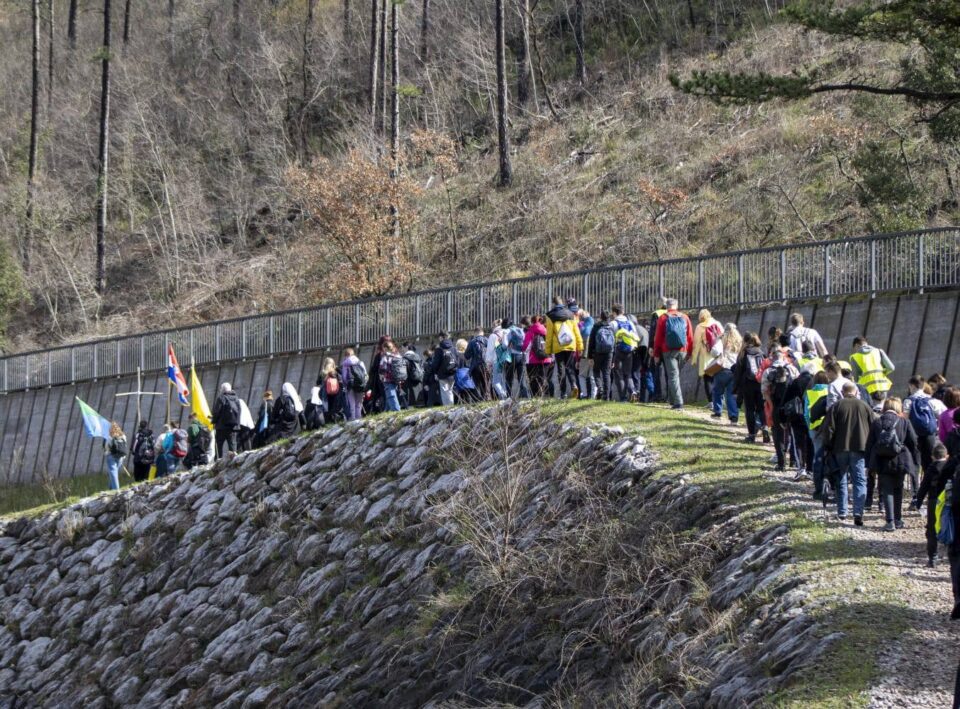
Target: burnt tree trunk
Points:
(72, 24)
(578, 39)
(34, 132)
(103, 155)
(425, 33)
(506, 169)
(126, 23)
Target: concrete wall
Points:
(41, 431)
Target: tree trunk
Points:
(347, 22)
(305, 71)
(34, 131)
(578, 39)
(237, 19)
(395, 122)
(425, 32)
(372, 78)
(50, 57)
(72, 24)
(126, 23)
(506, 169)
(104, 152)
(693, 20)
(171, 15)
(383, 67)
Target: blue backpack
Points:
(516, 340)
(475, 351)
(922, 417)
(604, 341)
(676, 332)
(463, 381)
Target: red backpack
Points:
(181, 445)
(712, 334)
(333, 386)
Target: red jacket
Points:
(660, 341)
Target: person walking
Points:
(871, 368)
(947, 422)
(226, 419)
(586, 381)
(674, 346)
(287, 412)
(845, 432)
(476, 356)
(724, 382)
(800, 335)
(747, 376)
(934, 481)
(780, 393)
(117, 450)
(414, 375)
(144, 454)
(539, 361)
(600, 349)
(659, 385)
(626, 340)
(444, 366)
(565, 344)
(923, 412)
(707, 333)
(355, 379)
(393, 374)
(247, 428)
(264, 430)
(641, 356)
(814, 412)
(892, 452)
(516, 367)
(198, 441)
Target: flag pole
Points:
(169, 388)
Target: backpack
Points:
(676, 332)
(464, 382)
(515, 340)
(414, 367)
(782, 378)
(565, 336)
(143, 451)
(332, 385)
(712, 335)
(888, 442)
(540, 347)
(943, 524)
(754, 363)
(358, 377)
(448, 363)
(180, 444)
(398, 369)
(288, 410)
(202, 442)
(503, 353)
(474, 352)
(118, 447)
(922, 417)
(229, 413)
(604, 341)
(626, 337)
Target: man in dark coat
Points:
(226, 419)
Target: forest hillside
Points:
(251, 167)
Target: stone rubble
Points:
(326, 573)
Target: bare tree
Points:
(104, 151)
(72, 24)
(237, 20)
(395, 120)
(50, 55)
(347, 22)
(383, 66)
(506, 169)
(425, 32)
(34, 129)
(305, 74)
(171, 16)
(126, 23)
(578, 40)
(372, 78)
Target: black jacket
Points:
(438, 354)
(558, 313)
(909, 458)
(226, 412)
(281, 424)
(934, 480)
(743, 381)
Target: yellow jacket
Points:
(555, 320)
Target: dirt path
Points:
(917, 667)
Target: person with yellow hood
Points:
(706, 335)
(565, 344)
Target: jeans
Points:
(228, 437)
(566, 372)
(390, 398)
(723, 389)
(851, 464)
(588, 384)
(601, 373)
(623, 366)
(753, 408)
(672, 361)
(891, 493)
(113, 471)
(166, 464)
(446, 391)
(816, 462)
(658, 387)
(354, 405)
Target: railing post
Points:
(783, 275)
(549, 292)
(480, 309)
(700, 285)
(450, 311)
(192, 354)
(118, 358)
(49, 369)
(270, 337)
(300, 331)
(329, 326)
(586, 291)
(661, 294)
(73, 365)
(921, 276)
(416, 328)
(94, 362)
(515, 300)
(6, 386)
(216, 344)
(826, 272)
(356, 319)
(623, 286)
(243, 339)
(873, 268)
(386, 318)
(741, 290)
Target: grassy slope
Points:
(851, 588)
(36, 499)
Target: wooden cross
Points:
(139, 393)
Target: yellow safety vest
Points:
(814, 360)
(813, 396)
(872, 376)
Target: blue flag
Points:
(95, 424)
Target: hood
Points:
(559, 312)
(288, 390)
(447, 344)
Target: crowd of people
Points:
(833, 421)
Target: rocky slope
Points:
(450, 558)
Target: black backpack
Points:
(474, 353)
(540, 347)
(202, 442)
(605, 339)
(888, 442)
(288, 410)
(448, 363)
(118, 447)
(414, 367)
(398, 369)
(358, 377)
(753, 363)
(143, 451)
(229, 412)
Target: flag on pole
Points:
(95, 424)
(176, 376)
(199, 404)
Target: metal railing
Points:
(909, 261)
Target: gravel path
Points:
(917, 668)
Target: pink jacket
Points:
(533, 331)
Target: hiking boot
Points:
(716, 416)
(734, 422)
(888, 527)
(955, 613)
(858, 520)
(766, 435)
(749, 439)
(842, 518)
(932, 562)
(677, 407)
(898, 524)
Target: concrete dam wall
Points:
(41, 433)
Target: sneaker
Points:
(773, 458)
(955, 613)
(932, 562)
(888, 527)
(899, 524)
(842, 518)
(766, 435)
(858, 520)
(749, 439)
(734, 422)
(677, 407)
(716, 416)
